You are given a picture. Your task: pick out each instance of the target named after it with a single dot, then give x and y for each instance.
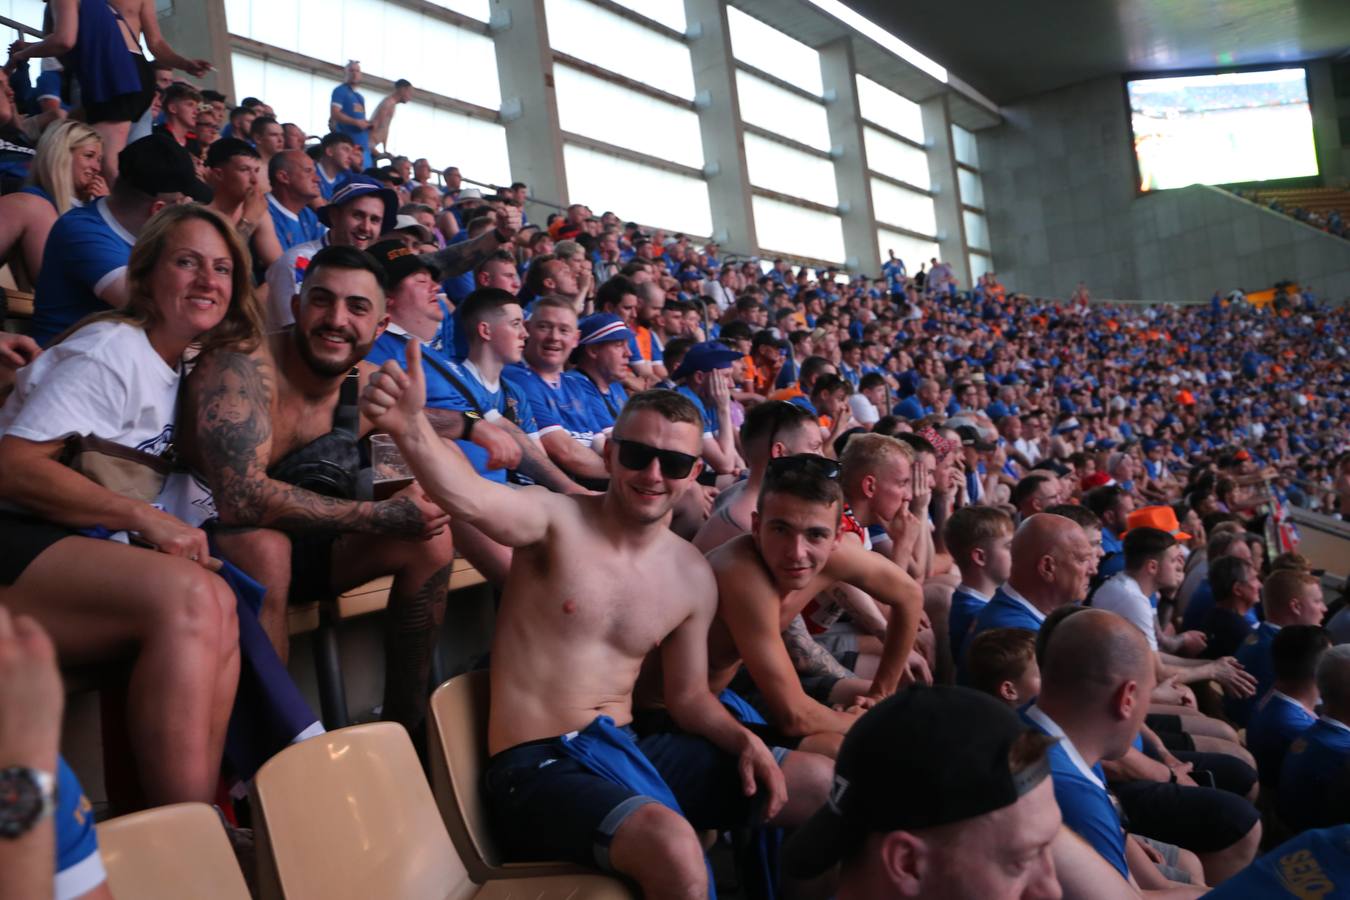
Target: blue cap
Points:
(705, 356)
(358, 186)
(602, 327)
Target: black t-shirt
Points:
(1226, 630)
(17, 152)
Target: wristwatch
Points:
(27, 796)
(471, 419)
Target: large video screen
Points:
(1222, 128)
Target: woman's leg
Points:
(114, 136)
(100, 601)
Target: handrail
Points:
(20, 27)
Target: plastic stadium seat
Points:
(457, 739)
(349, 815)
(171, 852)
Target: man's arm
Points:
(335, 110)
(684, 666)
(750, 612)
(1227, 671)
(535, 464)
(160, 49)
(569, 454)
(231, 393)
(891, 586)
(466, 256)
(807, 655)
(393, 401)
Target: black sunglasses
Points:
(810, 463)
(638, 456)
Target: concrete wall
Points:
(1059, 185)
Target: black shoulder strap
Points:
(347, 416)
(455, 381)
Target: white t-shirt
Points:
(104, 380)
(1122, 595)
(283, 282)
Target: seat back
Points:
(348, 814)
(171, 852)
(458, 752)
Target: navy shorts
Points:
(543, 805)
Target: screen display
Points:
(1222, 128)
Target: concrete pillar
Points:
(951, 224)
(719, 119)
(850, 157)
(197, 29)
(529, 104)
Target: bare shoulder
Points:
(733, 556)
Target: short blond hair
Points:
(866, 453)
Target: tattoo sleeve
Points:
(466, 255)
(808, 657)
(232, 393)
(447, 423)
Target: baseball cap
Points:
(468, 194)
(602, 327)
(970, 437)
(408, 223)
(705, 356)
(1163, 518)
(155, 164)
(399, 261)
(894, 772)
(356, 187)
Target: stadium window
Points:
(609, 112)
(977, 230)
(786, 170)
(896, 158)
(474, 9)
(797, 231)
(448, 138)
(967, 153)
(972, 189)
(772, 108)
(668, 12)
(655, 197)
(908, 209)
(769, 50)
(911, 249)
(583, 30)
(980, 264)
(883, 106)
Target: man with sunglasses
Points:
(765, 578)
(596, 584)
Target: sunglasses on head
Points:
(638, 456)
(811, 463)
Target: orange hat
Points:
(1160, 517)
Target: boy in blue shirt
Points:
(979, 539)
(1287, 709)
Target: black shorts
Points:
(544, 805)
(23, 538)
(1230, 773)
(1201, 819)
(311, 568)
(127, 107)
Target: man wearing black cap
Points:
(85, 265)
(898, 825)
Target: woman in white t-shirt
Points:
(115, 376)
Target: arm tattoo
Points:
(446, 422)
(234, 433)
(808, 657)
(466, 255)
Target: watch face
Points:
(20, 802)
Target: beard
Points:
(328, 367)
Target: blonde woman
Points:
(149, 598)
(66, 172)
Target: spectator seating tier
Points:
(171, 852)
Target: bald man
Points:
(1052, 562)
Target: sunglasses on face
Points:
(638, 456)
(811, 463)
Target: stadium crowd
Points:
(977, 594)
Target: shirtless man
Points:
(596, 584)
(765, 578)
(274, 426)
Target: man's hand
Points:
(503, 452)
(198, 67)
(393, 398)
(1171, 692)
(916, 670)
(31, 697)
(719, 389)
(923, 491)
(759, 770)
(411, 513)
(1235, 680)
(508, 223)
(17, 350)
(904, 531)
(1192, 643)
